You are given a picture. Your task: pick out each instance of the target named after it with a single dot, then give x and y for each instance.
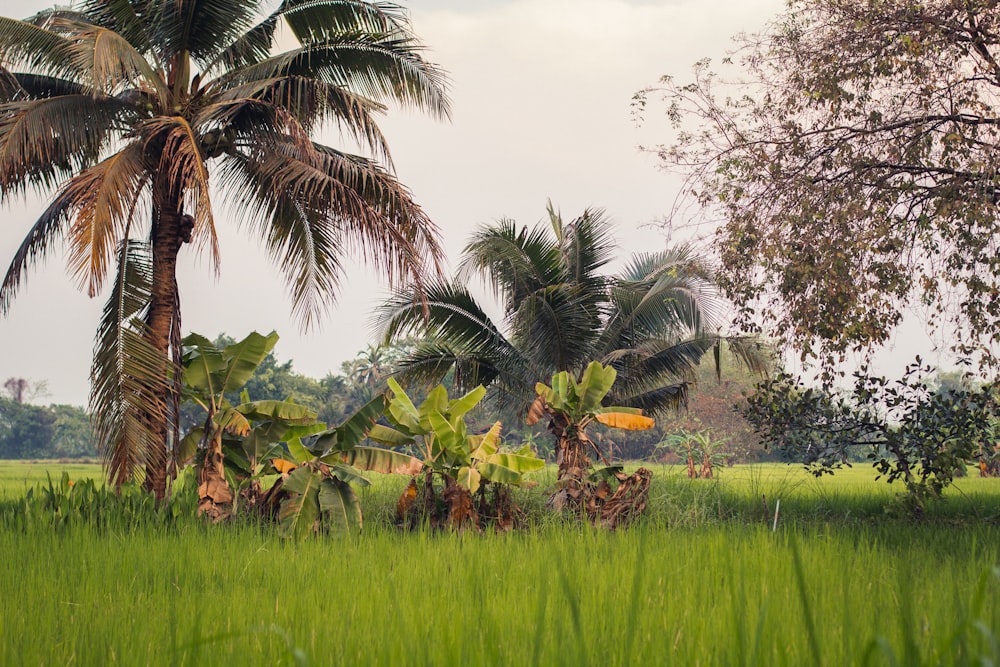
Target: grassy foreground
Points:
(703, 580)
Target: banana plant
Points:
(571, 407)
(317, 473)
(238, 437)
(464, 463)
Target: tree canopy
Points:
(852, 160)
(652, 322)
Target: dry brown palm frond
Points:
(45, 140)
(106, 197)
(109, 64)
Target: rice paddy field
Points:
(705, 578)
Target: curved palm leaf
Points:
(379, 69)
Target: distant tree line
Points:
(35, 431)
(28, 430)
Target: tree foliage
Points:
(911, 433)
(652, 322)
(851, 157)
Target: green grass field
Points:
(702, 579)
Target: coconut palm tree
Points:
(653, 322)
(137, 113)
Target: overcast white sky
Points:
(541, 92)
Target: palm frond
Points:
(316, 21)
(127, 18)
(36, 86)
(515, 262)
(127, 372)
(431, 361)
(108, 63)
(382, 70)
(557, 327)
(261, 106)
(443, 310)
(457, 334)
(23, 44)
(202, 29)
(661, 295)
(106, 199)
(45, 141)
(352, 206)
(589, 246)
(310, 21)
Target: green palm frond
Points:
(661, 295)
(24, 44)
(310, 21)
(447, 310)
(459, 336)
(269, 105)
(316, 21)
(314, 206)
(36, 86)
(515, 262)
(202, 29)
(122, 16)
(557, 327)
(656, 400)
(383, 70)
(430, 363)
(754, 355)
(588, 245)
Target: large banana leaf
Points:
(299, 513)
(402, 410)
(436, 401)
(211, 371)
(519, 463)
(448, 435)
(354, 430)
(594, 385)
(338, 502)
(469, 478)
(377, 460)
(485, 445)
(283, 411)
(202, 362)
(459, 407)
(389, 436)
(625, 419)
(244, 357)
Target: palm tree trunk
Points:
(163, 320)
